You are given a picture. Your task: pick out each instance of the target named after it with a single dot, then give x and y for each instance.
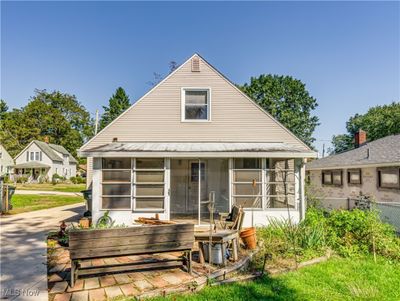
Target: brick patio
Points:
(104, 287)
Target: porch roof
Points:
(201, 149)
(32, 164)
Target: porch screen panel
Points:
(116, 183)
(247, 181)
(149, 184)
(280, 183)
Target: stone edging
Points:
(200, 282)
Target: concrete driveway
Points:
(24, 252)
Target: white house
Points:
(193, 134)
(41, 160)
(6, 162)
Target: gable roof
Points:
(50, 150)
(382, 151)
(120, 124)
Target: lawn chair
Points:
(231, 221)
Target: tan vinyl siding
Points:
(157, 117)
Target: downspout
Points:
(302, 176)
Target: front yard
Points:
(64, 187)
(337, 279)
(31, 202)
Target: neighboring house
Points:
(41, 160)
(6, 162)
(193, 135)
(372, 168)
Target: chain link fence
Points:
(389, 212)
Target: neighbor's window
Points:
(389, 177)
(354, 176)
(149, 184)
(332, 177)
(37, 156)
(196, 104)
(280, 183)
(32, 156)
(327, 177)
(337, 177)
(247, 182)
(116, 183)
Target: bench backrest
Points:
(96, 243)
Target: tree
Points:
(286, 99)
(117, 104)
(341, 143)
(3, 109)
(378, 122)
(54, 114)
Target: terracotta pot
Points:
(248, 237)
(84, 222)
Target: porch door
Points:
(197, 187)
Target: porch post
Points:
(300, 178)
(167, 188)
(230, 166)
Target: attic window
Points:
(195, 64)
(195, 104)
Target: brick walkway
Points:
(115, 285)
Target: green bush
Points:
(22, 179)
(349, 233)
(77, 180)
(56, 178)
(359, 232)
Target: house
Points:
(193, 136)
(6, 162)
(42, 160)
(372, 168)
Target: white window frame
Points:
(183, 103)
(134, 185)
(123, 183)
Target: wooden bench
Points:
(101, 243)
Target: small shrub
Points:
(73, 180)
(22, 179)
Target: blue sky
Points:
(347, 53)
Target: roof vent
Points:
(195, 64)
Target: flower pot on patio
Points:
(248, 237)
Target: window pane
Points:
(280, 189)
(281, 202)
(246, 189)
(145, 190)
(196, 97)
(247, 163)
(247, 176)
(32, 156)
(116, 163)
(116, 203)
(150, 163)
(248, 202)
(150, 203)
(327, 178)
(37, 156)
(389, 178)
(337, 178)
(149, 176)
(116, 189)
(116, 175)
(196, 112)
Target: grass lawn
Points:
(337, 279)
(32, 202)
(51, 187)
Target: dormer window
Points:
(196, 104)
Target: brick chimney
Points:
(360, 138)
(46, 139)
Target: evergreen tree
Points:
(117, 104)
